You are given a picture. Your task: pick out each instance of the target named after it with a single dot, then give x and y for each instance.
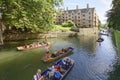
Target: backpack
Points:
(57, 75)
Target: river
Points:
(92, 61)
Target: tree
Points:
(28, 15)
(35, 15)
(114, 15)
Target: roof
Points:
(85, 10)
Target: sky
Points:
(101, 6)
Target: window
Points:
(89, 21)
(89, 25)
(89, 12)
(89, 17)
(78, 16)
(83, 14)
(78, 13)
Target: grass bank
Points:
(60, 27)
(117, 38)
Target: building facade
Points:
(86, 17)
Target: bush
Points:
(69, 23)
(64, 24)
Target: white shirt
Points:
(37, 76)
(47, 48)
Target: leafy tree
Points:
(114, 15)
(35, 15)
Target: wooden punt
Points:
(29, 47)
(44, 73)
(50, 59)
(100, 40)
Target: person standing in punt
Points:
(47, 50)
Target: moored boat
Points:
(100, 40)
(59, 54)
(32, 46)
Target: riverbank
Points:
(28, 36)
(51, 34)
(117, 38)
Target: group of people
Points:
(62, 51)
(55, 72)
(59, 53)
(37, 44)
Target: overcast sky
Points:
(101, 6)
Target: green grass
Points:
(59, 27)
(117, 37)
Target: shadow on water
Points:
(92, 62)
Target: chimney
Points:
(76, 6)
(87, 6)
(67, 8)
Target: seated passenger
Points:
(25, 45)
(53, 55)
(62, 51)
(51, 73)
(38, 76)
(58, 75)
(66, 62)
(70, 48)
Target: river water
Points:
(92, 61)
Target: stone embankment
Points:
(24, 36)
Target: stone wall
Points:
(88, 31)
(24, 36)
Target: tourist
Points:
(51, 73)
(66, 62)
(47, 50)
(58, 75)
(25, 45)
(38, 76)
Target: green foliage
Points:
(100, 26)
(114, 15)
(69, 23)
(65, 24)
(60, 27)
(117, 38)
(35, 15)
